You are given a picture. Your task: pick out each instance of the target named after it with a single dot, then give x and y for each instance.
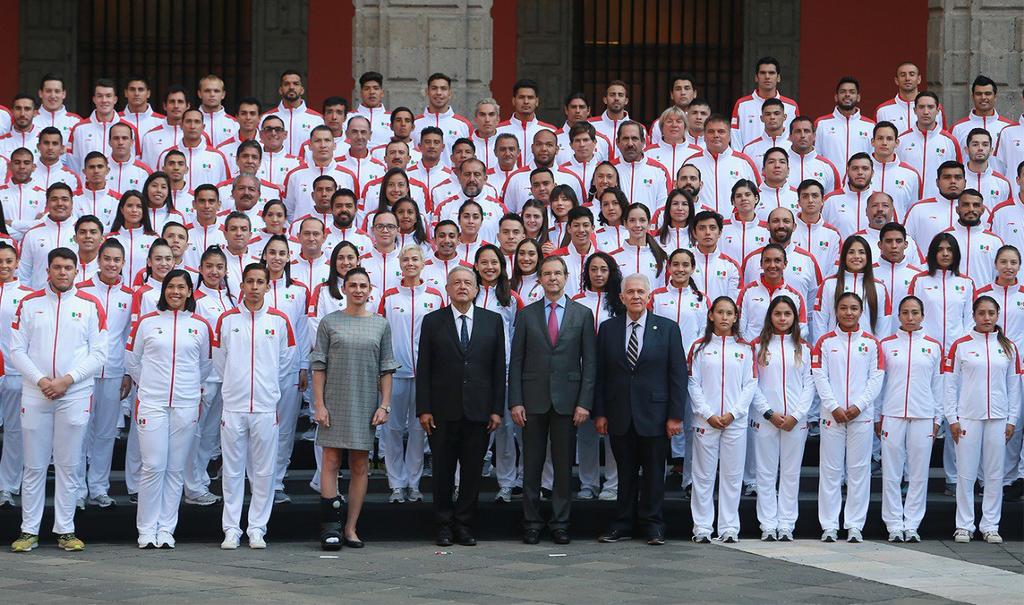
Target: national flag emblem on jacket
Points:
(940, 150)
(738, 355)
(647, 181)
(984, 247)
(958, 288)
(720, 273)
(822, 244)
(900, 182)
(926, 350)
(192, 331)
(734, 173)
(270, 332)
(76, 315)
(863, 348)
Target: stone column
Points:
(771, 28)
(279, 29)
(545, 50)
(407, 40)
(971, 37)
(49, 44)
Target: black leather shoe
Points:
(656, 540)
(612, 535)
(464, 538)
(352, 543)
(444, 537)
(531, 536)
(560, 536)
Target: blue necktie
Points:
(464, 334)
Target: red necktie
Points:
(553, 325)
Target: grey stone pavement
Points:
(492, 572)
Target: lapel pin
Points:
(654, 327)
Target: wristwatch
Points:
(767, 415)
(386, 408)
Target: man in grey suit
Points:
(550, 393)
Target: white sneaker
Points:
(749, 489)
(785, 535)
(281, 498)
(102, 501)
(993, 537)
(504, 495)
(164, 539)
(256, 539)
(6, 499)
(702, 538)
(729, 537)
(487, 469)
(896, 536)
(853, 536)
(205, 499)
(147, 542)
(586, 493)
(829, 535)
(231, 540)
(911, 535)
(769, 535)
(397, 495)
(608, 494)
(415, 495)
(961, 536)
(80, 503)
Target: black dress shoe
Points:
(531, 536)
(656, 540)
(444, 537)
(612, 535)
(352, 543)
(464, 538)
(560, 536)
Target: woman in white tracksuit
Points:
(291, 298)
(404, 306)
(907, 419)
(722, 385)
(854, 273)
(982, 400)
(168, 356)
(848, 370)
(783, 400)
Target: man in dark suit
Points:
(550, 393)
(639, 400)
(460, 397)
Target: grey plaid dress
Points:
(355, 352)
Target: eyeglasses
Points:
(385, 227)
(273, 129)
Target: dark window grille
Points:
(645, 42)
(167, 41)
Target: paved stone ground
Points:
(500, 572)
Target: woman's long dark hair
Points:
(215, 250)
(382, 199)
(693, 263)
(542, 235)
(870, 292)
(1004, 342)
(502, 287)
(419, 232)
(333, 277)
(933, 253)
(612, 302)
(666, 216)
(287, 266)
(709, 328)
(652, 242)
(3, 222)
(159, 174)
(620, 199)
(517, 274)
(768, 330)
(566, 192)
(190, 302)
(118, 224)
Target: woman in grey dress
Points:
(351, 361)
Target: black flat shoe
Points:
(560, 536)
(444, 537)
(612, 536)
(352, 543)
(656, 540)
(531, 536)
(464, 538)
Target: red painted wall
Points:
(855, 41)
(504, 34)
(329, 51)
(9, 48)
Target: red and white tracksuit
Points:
(524, 132)
(136, 244)
(746, 117)
(844, 210)
(517, 188)
(158, 140)
(14, 139)
(754, 300)
(22, 203)
(897, 278)
(93, 134)
(874, 239)
(1010, 150)
(276, 165)
(383, 268)
(127, 175)
(323, 304)
(639, 259)
(645, 181)
(718, 174)
(901, 113)
(246, 344)
(575, 263)
(837, 137)
(899, 180)
(602, 147)
(672, 157)
(983, 395)
(404, 308)
(105, 411)
(716, 274)
(823, 319)
(62, 119)
(777, 197)
(169, 357)
(910, 407)
(612, 238)
(786, 388)
(723, 380)
(848, 369)
(947, 302)
(298, 121)
(206, 165)
(293, 301)
(451, 124)
(821, 239)
(370, 200)
(219, 126)
(756, 149)
(930, 217)
(813, 165)
(11, 464)
(46, 235)
(365, 169)
(978, 247)
(55, 334)
(143, 121)
(380, 123)
(992, 185)
(994, 124)
(1006, 221)
(609, 128)
(311, 272)
(584, 171)
(925, 151)
(44, 176)
(298, 185)
(802, 271)
(102, 204)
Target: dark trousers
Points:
(633, 452)
(460, 442)
(562, 433)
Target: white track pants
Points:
(197, 481)
(287, 417)
(844, 447)
(906, 444)
(779, 458)
(51, 429)
(984, 441)
(248, 439)
(1015, 453)
(98, 445)
(404, 464)
(588, 451)
(504, 440)
(725, 452)
(166, 437)
(12, 459)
